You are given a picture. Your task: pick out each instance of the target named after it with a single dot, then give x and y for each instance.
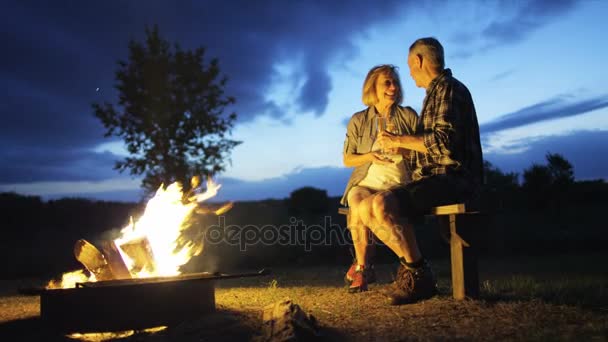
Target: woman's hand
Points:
(379, 158)
(354, 160)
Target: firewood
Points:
(93, 260)
(140, 252)
(117, 265)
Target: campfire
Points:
(134, 281)
(152, 246)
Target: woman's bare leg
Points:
(360, 233)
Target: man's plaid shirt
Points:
(449, 128)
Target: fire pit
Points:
(134, 281)
(131, 304)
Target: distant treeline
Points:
(546, 212)
(38, 236)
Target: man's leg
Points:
(384, 214)
(380, 213)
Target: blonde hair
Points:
(431, 50)
(369, 85)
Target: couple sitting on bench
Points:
(405, 165)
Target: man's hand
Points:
(379, 158)
(387, 140)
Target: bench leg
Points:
(465, 279)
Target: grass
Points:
(586, 291)
(522, 298)
(579, 280)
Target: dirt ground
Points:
(517, 303)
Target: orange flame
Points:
(162, 225)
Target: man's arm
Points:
(439, 140)
(354, 160)
(410, 142)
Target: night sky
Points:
(536, 70)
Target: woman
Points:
(375, 170)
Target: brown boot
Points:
(412, 285)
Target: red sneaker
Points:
(359, 283)
(370, 274)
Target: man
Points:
(448, 169)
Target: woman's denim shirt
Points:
(361, 134)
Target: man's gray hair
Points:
(429, 48)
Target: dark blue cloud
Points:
(34, 117)
(56, 54)
(24, 165)
(584, 149)
(524, 19)
(513, 23)
(551, 109)
(65, 46)
(315, 92)
(501, 75)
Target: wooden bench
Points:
(458, 227)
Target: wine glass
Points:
(383, 122)
(390, 128)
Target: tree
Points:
(562, 172)
(308, 200)
(558, 172)
(499, 189)
(549, 185)
(496, 180)
(537, 179)
(170, 113)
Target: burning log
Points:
(214, 209)
(140, 252)
(93, 260)
(286, 321)
(117, 265)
